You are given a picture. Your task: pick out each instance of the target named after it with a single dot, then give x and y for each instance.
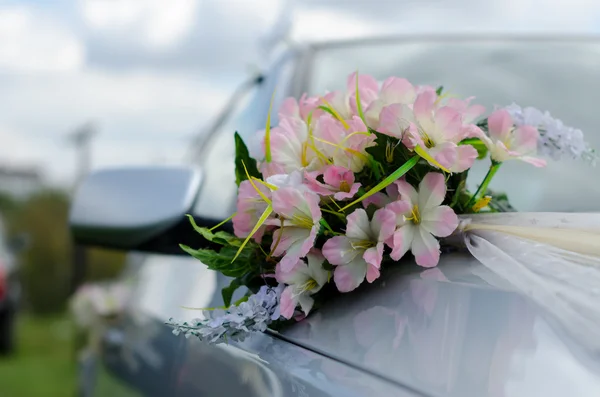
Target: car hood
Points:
(454, 330)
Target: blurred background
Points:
(88, 84)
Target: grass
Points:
(43, 364)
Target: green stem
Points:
(484, 184)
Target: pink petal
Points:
(439, 221)
(424, 104)
(316, 186)
(289, 108)
(407, 192)
(473, 112)
(425, 248)
(432, 191)
(358, 226)
(334, 175)
(288, 276)
(397, 90)
(534, 161)
(395, 120)
(402, 240)
(399, 208)
(367, 86)
(383, 224)
(499, 124)
(347, 195)
(525, 139)
(372, 273)
(294, 244)
(338, 250)
(449, 123)
(308, 104)
(287, 303)
(444, 153)
(348, 277)
(465, 157)
(378, 199)
(291, 202)
(373, 256)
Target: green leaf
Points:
(242, 156)
(478, 144)
(221, 261)
(439, 90)
(228, 291)
(328, 266)
(500, 202)
(221, 237)
(387, 181)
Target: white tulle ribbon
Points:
(553, 258)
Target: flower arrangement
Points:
(348, 183)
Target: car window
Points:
(562, 77)
(216, 159)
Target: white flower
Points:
(235, 323)
(556, 139)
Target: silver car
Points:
(455, 330)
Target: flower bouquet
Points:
(349, 183)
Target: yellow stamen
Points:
(389, 152)
(303, 159)
(415, 215)
(344, 187)
(302, 221)
(363, 244)
(481, 203)
(309, 285)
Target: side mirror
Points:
(140, 209)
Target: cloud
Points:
(142, 116)
(154, 23)
(31, 41)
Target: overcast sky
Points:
(151, 73)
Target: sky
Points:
(151, 74)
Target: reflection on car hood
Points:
(446, 331)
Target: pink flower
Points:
(508, 143)
(469, 114)
(359, 253)
(250, 206)
(298, 209)
(419, 217)
(344, 103)
(339, 182)
(394, 90)
(303, 279)
(290, 149)
(290, 108)
(436, 131)
(346, 147)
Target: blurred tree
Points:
(46, 263)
